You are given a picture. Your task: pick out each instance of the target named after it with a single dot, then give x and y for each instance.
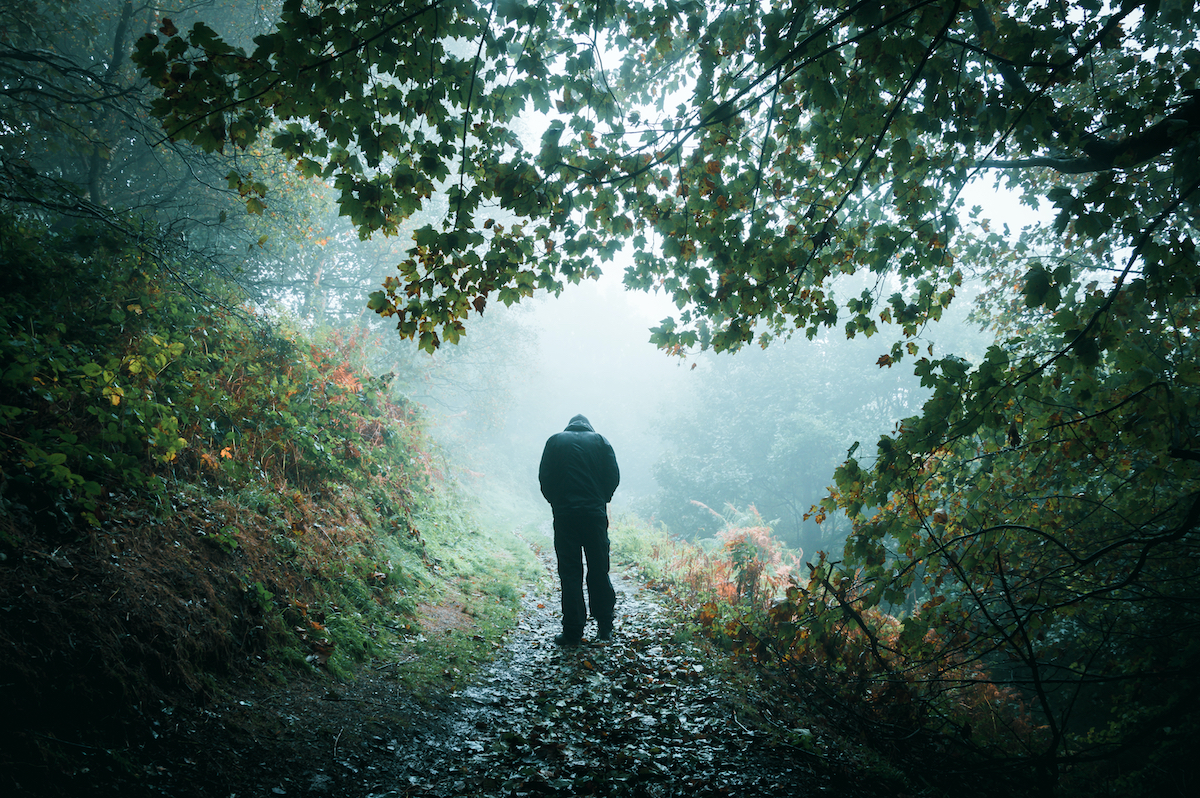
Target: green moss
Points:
(352, 642)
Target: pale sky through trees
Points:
(593, 356)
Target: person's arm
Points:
(613, 472)
(547, 473)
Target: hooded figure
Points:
(578, 476)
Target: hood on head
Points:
(580, 422)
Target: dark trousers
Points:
(576, 537)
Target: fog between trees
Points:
(759, 428)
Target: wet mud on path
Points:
(640, 715)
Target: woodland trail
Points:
(642, 715)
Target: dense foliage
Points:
(147, 382)
(751, 153)
(78, 139)
(123, 390)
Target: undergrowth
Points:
(798, 628)
(192, 493)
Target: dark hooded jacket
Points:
(579, 471)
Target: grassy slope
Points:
(191, 497)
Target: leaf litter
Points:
(640, 715)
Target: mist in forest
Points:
(586, 351)
(701, 440)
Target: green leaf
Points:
(1037, 285)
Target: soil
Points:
(641, 715)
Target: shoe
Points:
(604, 633)
(567, 642)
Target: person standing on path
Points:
(578, 476)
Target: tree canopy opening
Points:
(1038, 519)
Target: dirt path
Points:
(642, 715)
